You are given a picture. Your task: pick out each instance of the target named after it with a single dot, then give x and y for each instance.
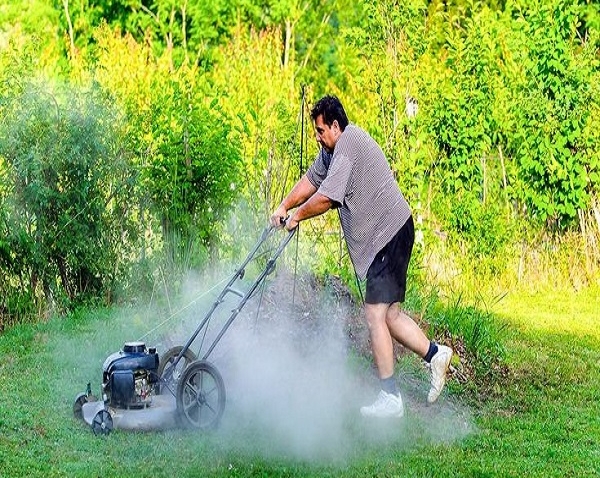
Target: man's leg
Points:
(388, 403)
(381, 339)
(406, 331)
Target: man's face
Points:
(327, 136)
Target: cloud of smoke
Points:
(294, 388)
(293, 381)
(290, 386)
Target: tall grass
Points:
(475, 333)
(534, 261)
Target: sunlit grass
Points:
(553, 311)
(539, 420)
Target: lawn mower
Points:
(141, 390)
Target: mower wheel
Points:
(169, 376)
(102, 424)
(80, 401)
(200, 396)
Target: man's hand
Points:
(291, 223)
(279, 216)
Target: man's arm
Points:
(317, 204)
(299, 194)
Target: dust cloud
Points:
(290, 388)
(294, 378)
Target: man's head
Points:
(330, 121)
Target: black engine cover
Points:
(120, 371)
(122, 387)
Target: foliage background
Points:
(156, 136)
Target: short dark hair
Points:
(331, 108)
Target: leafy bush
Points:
(253, 87)
(552, 143)
(505, 136)
(67, 186)
(480, 233)
(180, 140)
(191, 177)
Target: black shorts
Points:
(386, 277)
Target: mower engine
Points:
(129, 376)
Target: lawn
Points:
(542, 419)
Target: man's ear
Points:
(336, 125)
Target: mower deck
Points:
(161, 415)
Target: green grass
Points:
(542, 419)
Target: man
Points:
(351, 173)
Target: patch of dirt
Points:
(308, 301)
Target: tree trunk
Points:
(70, 25)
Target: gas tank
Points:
(134, 356)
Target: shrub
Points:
(67, 187)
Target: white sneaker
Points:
(386, 405)
(439, 366)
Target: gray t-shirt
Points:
(358, 178)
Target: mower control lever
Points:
(282, 221)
